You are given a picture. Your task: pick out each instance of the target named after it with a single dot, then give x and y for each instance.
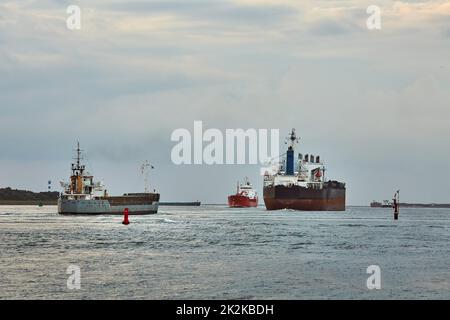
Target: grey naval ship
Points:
(83, 196)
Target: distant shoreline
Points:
(9, 196)
(28, 202)
(181, 203)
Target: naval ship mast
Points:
(77, 168)
(79, 182)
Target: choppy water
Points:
(213, 252)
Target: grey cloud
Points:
(446, 33)
(384, 97)
(329, 28)
(350, 21)
(215, 11)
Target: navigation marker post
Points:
(396, 204)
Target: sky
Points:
(374, 104)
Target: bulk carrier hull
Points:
(136, 205)
(329, 198)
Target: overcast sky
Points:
(375, 104)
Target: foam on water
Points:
(219, 253)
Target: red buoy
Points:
(125, 217)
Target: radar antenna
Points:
(292, 139)
(77, 167)
(78, 157)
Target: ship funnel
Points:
(290, 162)
(306, 158)
(300, 156)
(311, 158)
(318, 159)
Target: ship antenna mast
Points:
(292, 138)
(145, 172)
(77, 167)
(78, 154)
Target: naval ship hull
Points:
(136, 205)
(330, 198)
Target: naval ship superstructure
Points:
(84, 196)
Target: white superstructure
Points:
(246, 189)
(309, 171)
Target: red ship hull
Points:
(238, 201)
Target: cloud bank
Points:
(374, 104)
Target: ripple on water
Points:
(214, 252)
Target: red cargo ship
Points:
(245, 196)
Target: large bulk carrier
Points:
(302, 187)
(83, 196)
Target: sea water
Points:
(214, 252)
